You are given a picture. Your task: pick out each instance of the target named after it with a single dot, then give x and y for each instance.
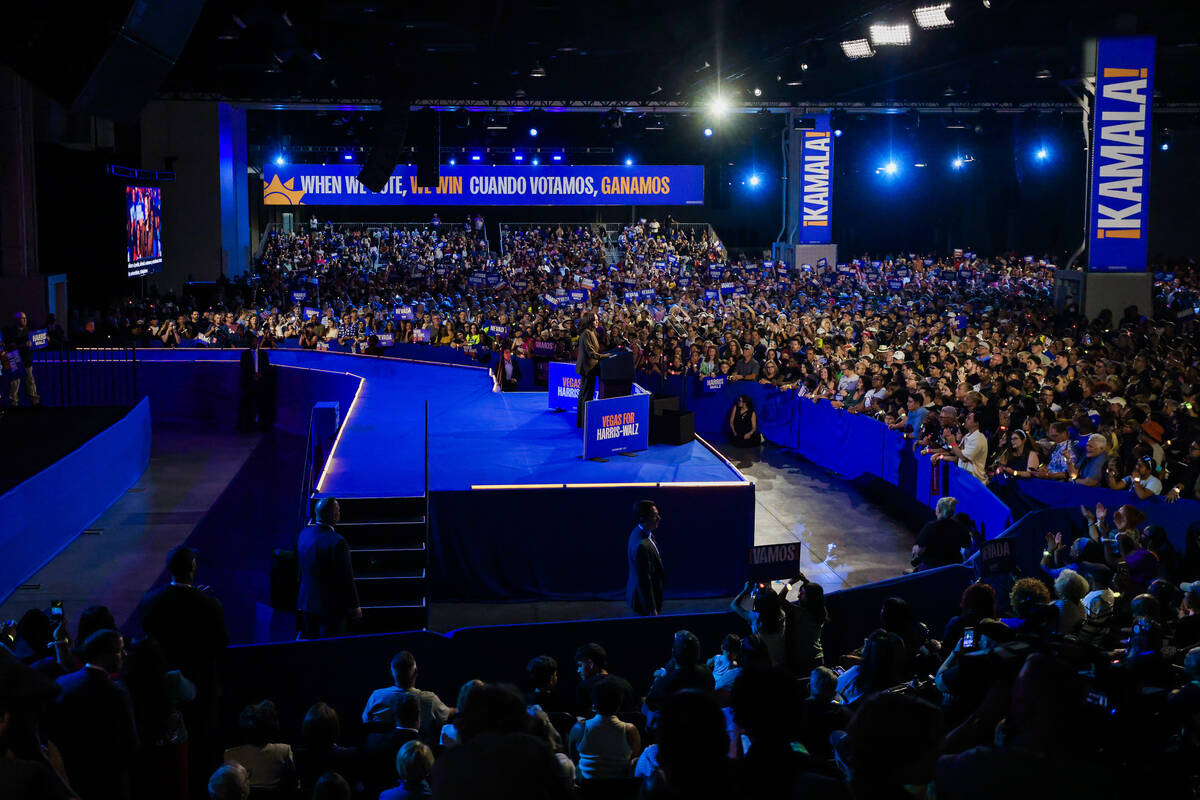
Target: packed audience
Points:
(1084, 681)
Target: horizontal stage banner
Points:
(616, 425)
(563, 185)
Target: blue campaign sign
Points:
(649, 294)
(486, 185)
(300, 295)
(683, 282)
(39, 339)
(895, 284)
(1119, 205)
(520, 284)
(579, 296)
(405, 313)
(387, 339)
(422, 334)
(715, 270)
(587, 283)
(310, 312)
(712, 383)
(964, 274)
(498, 331)
(616, 425)
(543, 349)
(476, 280)
(816, 189)
(710, 294)
(564, 386)
(492, 279)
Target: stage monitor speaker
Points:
(663, 402)
(674, 427)
(385, 153)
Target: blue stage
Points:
(515, 513)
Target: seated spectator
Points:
(941, 541)
(380, 704)
(331, 786)
(319, 751)
(414, 765)
(1142, 481)
(541, 728)
(879, 764)
(267, 760)
(449, 733)
(1091, 470)
(541, 674)
(1018, 458)
(724, 665)
(978, 603)
(380, 746)
(1030, 602)
(496, 757)
(822, 714)
(881, 667)
(591, 664)
(231, 781)
(742, 424)
(690, 759)
(1071, 588)
(683, 671)
(604, 746)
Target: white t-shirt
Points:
(975, 451)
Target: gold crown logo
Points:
(282, 194)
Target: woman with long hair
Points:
(1017, 458)
(742, 424)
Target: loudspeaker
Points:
(425, 132)
(663, 402)
(385, 153)
(675, 426)
(428, 171)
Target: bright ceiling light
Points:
(708, 131)
(883, 35)
(890, 168)
(757, 92)
(719, 105)
(932, 17)
(755, 180)
(857, 48)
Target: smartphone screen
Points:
(968, 639)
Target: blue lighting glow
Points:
(891, 168)
(1165, 146)
(557, 157)
(536, 162)
(1042, 154)
(957, 163)
(754, 180)
(708, 131)
(629, 162)
(837, 131)
(518, 157)
(475, 158)
(348, 156)
(533, 132)
(453, 162)
(280, 160)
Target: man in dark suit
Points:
(507, 373)
(189, 623)
(92, 721)
(644, 588)
(587, 358)
(381, 745)
(328, 599)
(258, 397)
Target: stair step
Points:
(383, 561)
(393, 533)
(405, 587)
(366, 509)
(394, 618)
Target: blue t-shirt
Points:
(915, 419)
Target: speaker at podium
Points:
(616, 373)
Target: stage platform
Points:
(514, 513)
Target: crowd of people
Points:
(1091, 691)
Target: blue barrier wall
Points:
(44, 514)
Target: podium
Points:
(616, 373)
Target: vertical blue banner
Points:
(616, 425)
(564, 386)
(1119, 206)
(816, 191)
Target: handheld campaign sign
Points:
(616, 425)
(774, 562)
(405, 313)
(387, 339)
(498, 331)
(39, 339)
(309, 312)
(422, 335)
(564, 386)
(579, 296)
(300, 295)
(542, 349)
(997, 557)
(712, 384)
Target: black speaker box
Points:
(675, 426)
(386, 151)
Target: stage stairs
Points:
(389, 550)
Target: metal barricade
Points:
(100, 376)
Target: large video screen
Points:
(143, 230)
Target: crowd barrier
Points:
(342, 672)
(45, 513)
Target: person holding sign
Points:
(644, 588)
(587, 358)
(17, 363)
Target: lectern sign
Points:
(1120, 201)
(616, 425)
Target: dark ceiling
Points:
(624, 51)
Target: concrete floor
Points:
(847, 540)
(189, 469)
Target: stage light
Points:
(804, 67)
(957, 163)
(754, 181)
(536, 162)
(556, 157)
(280, 160)
(1165, 141)
(1165, 146)
(629, 162)
(837, 131)
(920, 164)
(475, 157)
(348, 156)
(533, 132)
(757, 92)
(857, 48)
(886, 35)
(932, 17)
(708, 131)
(518, 157)
(453, 162)
(891, 168)
(718, 106)
(1042, 154)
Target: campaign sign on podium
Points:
(564, 386)
(616, 425)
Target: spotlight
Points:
(883, 35)
(837, 132)
(857, 48)
(453, 162)
(1165, 141)
(1042, 154)
(708, 131)
(536, 162)
(475, 157)
(890, 168)
(932, 17)
(280, 160)
(518, 157)
(538, 71)
(804, 67)
(718, 106)
(957, 163)
(757, 92)
(533, 132)
(556, 157)
(629, 162)
(348, 156)
(754, 180)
